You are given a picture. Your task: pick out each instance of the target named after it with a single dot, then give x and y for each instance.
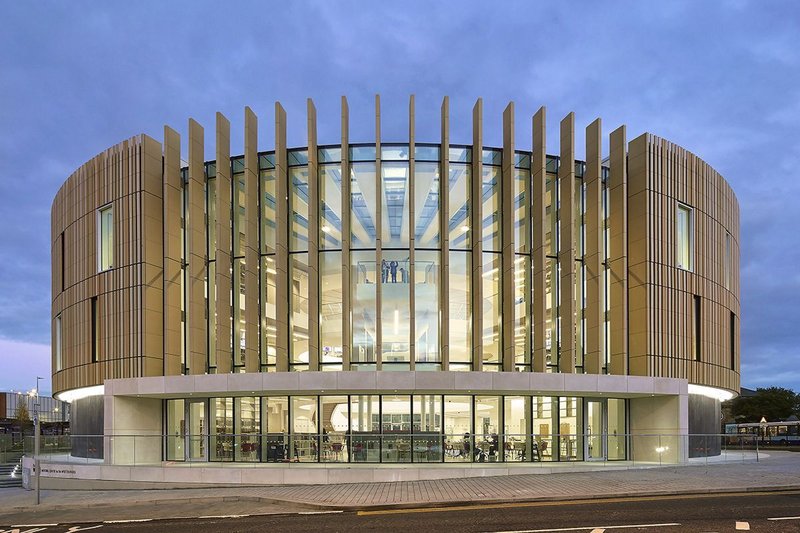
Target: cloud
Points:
(21, 363)
(719, 80)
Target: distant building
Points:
(396, 302)
(53, 413)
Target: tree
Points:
(772, 403)
(22, 415)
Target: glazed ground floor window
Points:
(395, 428)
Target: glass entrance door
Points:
(196, 449)
(596, 430)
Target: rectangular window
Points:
(63, 260)
(684, 228)
(492, 315)
(221, 429)
(240, 339)
(426, 214)
(733, 341)
(58, 343)
(247, 429)
(697, 327)
(95, 330)
(363, 205)
(330, 215)
(458, 212)
(176, 430)
(105, 238)
(395, 202)
(330, 312)
(727, 260)
(459, 300)
(395, 310)
(364, 315)
(298, 203)
(299, 316)
(426, 309)
(269, 331)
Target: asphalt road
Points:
(774, 512)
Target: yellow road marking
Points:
(595, 501)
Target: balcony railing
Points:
(253, 449)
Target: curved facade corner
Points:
(396, 302)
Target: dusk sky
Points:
(721, 79)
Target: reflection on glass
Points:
(247, 429)
(304, 428)
(198, 431)
(550, 206)
(329, 155)
(426, 153)
(395, 309)
(334, 423)
(516, 416)
(492, 311)
(396, 429)
(491, 229)
(683, 237)
(363, 283)
(298, 198)
(427, 428)
(330, 312)
(365, 428)
(299, 311)
(426, 310)
(395, 205)
(221, 440)
(522, 333)
(458, 437)
(580, 319)
(487, 428)
(330, 193)
(426, 205)
(521, 210)
(269, 214)
(459, 208)
(176, 430)
(390, 152)
(616, 429)
(362, 153)
(544, 426)
(570, 438)
(551, 278)
(275, 443)
(106, 244)
(239, 326)
(460, 154)
(268, 317)
(459, 300)
(211, 305)
(595, 431)
(363, 205)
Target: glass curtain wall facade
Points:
(392, 268)
(395, 428)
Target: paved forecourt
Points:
(776, 471)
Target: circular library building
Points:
(348, 311)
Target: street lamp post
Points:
(37, 441)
